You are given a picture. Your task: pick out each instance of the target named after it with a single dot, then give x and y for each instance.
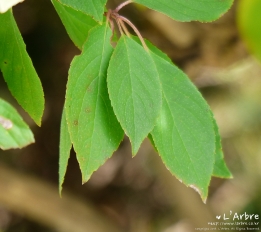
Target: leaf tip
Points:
(61, 181)
(202, 194)
(85, 178)
(60, 191)
(39, 123)
(37, 117)
(134, 149)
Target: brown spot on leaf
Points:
(89, 89)
(75, 122)
(88, 110)
(83, 160)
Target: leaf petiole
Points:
(124, 27)
(120, 20)
(135, 30)
(118, 8)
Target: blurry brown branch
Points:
(41, 202)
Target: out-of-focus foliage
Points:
(14, 133)
(249, 18)
(5, 5)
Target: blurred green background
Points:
(136, 194)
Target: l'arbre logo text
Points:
(237, 216)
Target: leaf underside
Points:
(94, 8)
(77, 24)
(134, 90)
(93, 127)
(14, 132)
(18, 70)
(189, 10)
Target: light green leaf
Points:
(184, 134)
(94, 8)
(220, 168)
(249, 19)
(189, 10)
(134, 90)
(65, 148)
(18, 70)
(93, 127)
(77, 24)
(14, 133)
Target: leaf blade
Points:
(65, 147)
(77, 24)
(18, 70)
(95, 8)
(14, 132)
(184, 135)
(90, 117)
(220, 168)
(134, 90)
(189, 10)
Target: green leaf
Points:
(65, 148)
(134, 90)
(93, 127)
(249, 19)
(76, 23)
(18, 70)
(14, 133)
(184, 135)
(94, 8)
(189, 10)
(220, 168)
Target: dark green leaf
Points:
(76, 23)
(93, 127)
(65, 148)
(14, 133)
(134, 90)
(18, 70)
(184, 135)
(94, 8)
(189, 10)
